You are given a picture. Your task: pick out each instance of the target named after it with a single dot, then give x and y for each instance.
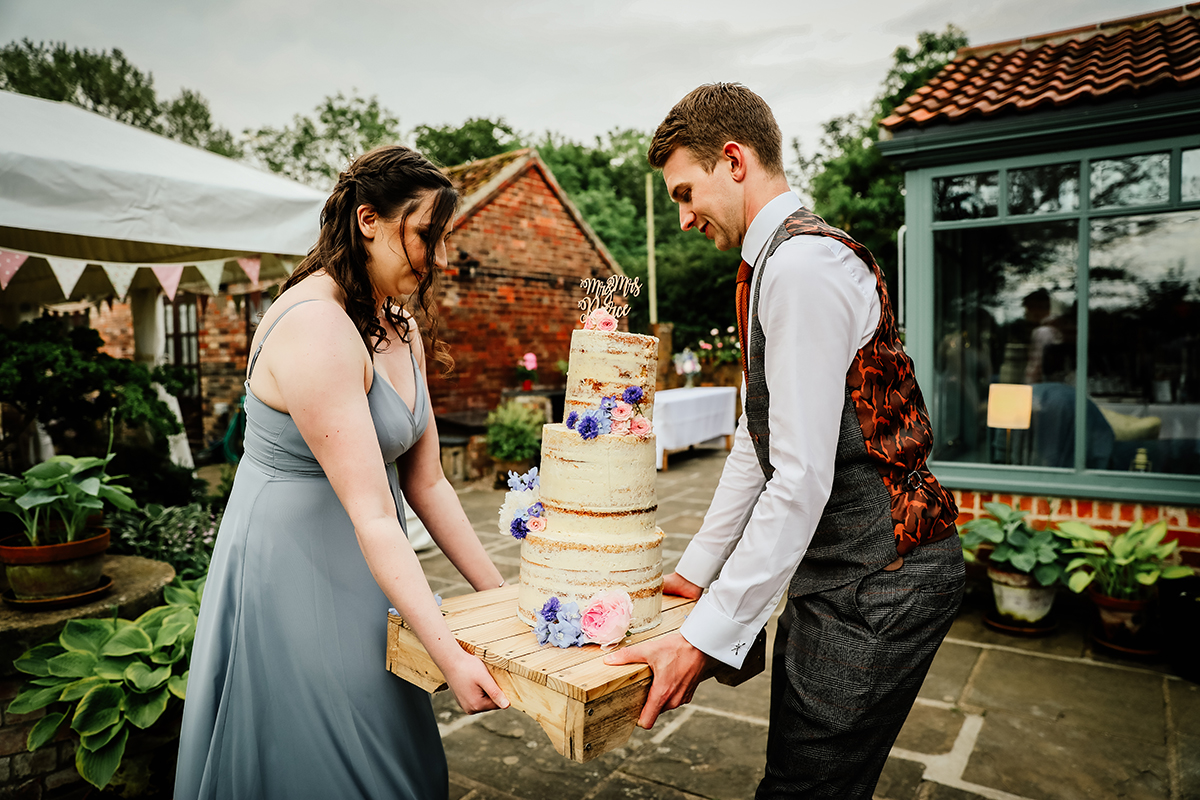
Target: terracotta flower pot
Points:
(1124, 625)
(1019, 596)
(53, 570)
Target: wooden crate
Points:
(585, 706)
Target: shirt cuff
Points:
(699, 566)
(716, 635)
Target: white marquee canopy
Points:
(91, 207)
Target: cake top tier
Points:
(606, 363)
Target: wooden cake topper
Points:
(599, 294)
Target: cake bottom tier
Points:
(575, 567)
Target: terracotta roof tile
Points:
(1135, 55)
(474, 174)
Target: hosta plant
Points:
(1123, 566)
(108, 677)
(1019, 547)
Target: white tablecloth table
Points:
(684, 417)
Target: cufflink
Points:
(737, 648)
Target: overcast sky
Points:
(578, 68)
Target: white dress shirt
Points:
(818, 305)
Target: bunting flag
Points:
(9, 264)
(168, 277)
(67, 271)
(289, 265)
(250, 266)
(211, 272)
(120, 276)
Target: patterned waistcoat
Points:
(884, 499)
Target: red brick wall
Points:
(29, 775)
(1183, 523)
(512, 288)
(114, 321)
(223, 354)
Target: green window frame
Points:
(919, 294)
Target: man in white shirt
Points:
(825, 494)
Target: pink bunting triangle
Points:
(251, 266)
(9, 264)
(168, 277)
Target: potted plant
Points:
(527, 371)
(1121, 572)
(1024, 566)
(58, 555)
(514, 438)
(118, 684)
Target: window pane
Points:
(1144, 340)
(1043, 190)
(1133, 181)
(966, 196)
(1005, 313)
(1191, 174)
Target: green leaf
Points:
(37, 497)
(33, 699)
(127, 642)
(34, 661)
(1176, 571)
(143, 710)
(113, 669)
(172, 656)
(94, 741)
(99, 708)
(74, 691)
(89, 486)
(1080, 580)
(179, 624)
(154, 618)
(144, 679)
(86, 635)
(44, 730)
(1086, 533)
(1047, 574)
(1148, 578)
(1122, 547)
(97, 767)
(73, 665)
(1024, 561)
(119, 499)
(181, 596)
(51, 681)
(177, 685)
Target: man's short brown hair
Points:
(712, 115)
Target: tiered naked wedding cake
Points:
(590, 544)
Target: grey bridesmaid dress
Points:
(288, 696)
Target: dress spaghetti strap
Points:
(258, 349)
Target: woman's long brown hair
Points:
(393, 180)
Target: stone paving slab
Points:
(1046, 759)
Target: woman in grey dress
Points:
(288, 695)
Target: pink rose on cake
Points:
(600, 320)
(639, 426)
(621, 411)
(536, 524)
(606, 619)
(620, 427)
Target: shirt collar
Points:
(764, 224)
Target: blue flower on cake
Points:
(589, 425)
(522, 511)
(633, 395)
(604, 621)
(619, 415)
(572, 418)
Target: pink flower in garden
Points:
(536, 524)
(639, 426)
(621, 427)
(705, 346)
(529, 361)
(606, 620)
(621, 411)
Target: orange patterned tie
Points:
(743, 312)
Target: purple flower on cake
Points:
(640, 426)
(565, 633)
(569, 612)
(542, 631)
(519, 528)
(589, 425)
(606, 620)
(572, 418)
(633, 395)
(605, 422)
(549, 611)
(521, 483)
(621, 411)
(535, 510)
(607, 403)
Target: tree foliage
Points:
(313, 150)
(852, 186)
(105, 82)
(478, 137)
